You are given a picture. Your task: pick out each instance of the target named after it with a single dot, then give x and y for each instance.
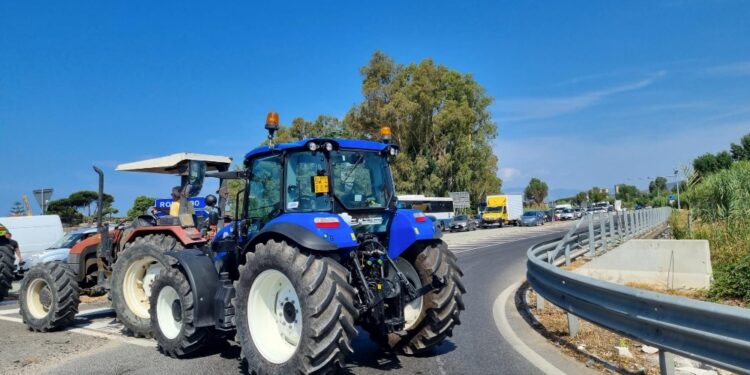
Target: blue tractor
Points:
(316, 247)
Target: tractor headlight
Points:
(312, 146)
(328, 146)
(393, 151)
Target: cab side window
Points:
(264, 193)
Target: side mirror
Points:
(195, 177)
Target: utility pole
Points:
(677, 181)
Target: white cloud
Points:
(741, 68)
(508, 174)
(525, 109)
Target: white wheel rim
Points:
(413, 309)
(34, 302)
(137, 284)
(168, 325)
(274, 316)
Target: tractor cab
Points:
(330, 194)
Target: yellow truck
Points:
(502, 209)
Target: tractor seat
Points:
(143, 221)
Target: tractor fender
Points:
(187, 236)
(405, 230)
(204, 282)
(304, 237)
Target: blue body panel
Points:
(342, 237)
(343, 143)
(405, 230)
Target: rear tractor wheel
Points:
(294, 311)
(49, 297)
(132, 277)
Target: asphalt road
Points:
(491, 259)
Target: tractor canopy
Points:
(177, 164)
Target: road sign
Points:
(199, 205)
(461, 199)
(43, 196)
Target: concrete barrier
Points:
(675, 264)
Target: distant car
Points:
(578, 212)
(532, 218)
(567, 214)
(558, 214)
(462, 223)
(58, 252)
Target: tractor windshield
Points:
(361, 179)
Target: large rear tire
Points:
(294, 311)
(49, 297)
(173, 315)
(7, 258)
(440, 308)
(132, 276)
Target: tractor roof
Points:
(343, 143)
(175, 164)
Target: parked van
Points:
(34, 233)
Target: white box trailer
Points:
(515, 208)
(34, 233)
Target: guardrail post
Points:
(567, 255)
(626, 219)
(539, 302)
(666, 363)
(637, 218)
(592, 244)
(573, 325)
(612, 229)
(603, 227)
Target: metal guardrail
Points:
(707, 332)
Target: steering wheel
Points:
(305, 202)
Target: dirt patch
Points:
(597, 347)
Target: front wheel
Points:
(49, 297)
(294, 311)
(438, 311)
(172, 314)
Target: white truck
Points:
(34, 234)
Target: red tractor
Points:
(125, 260)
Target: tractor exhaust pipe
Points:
(104, 244)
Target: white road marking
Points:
(501, 321)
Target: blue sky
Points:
(586, 93)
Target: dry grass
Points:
(592, 341)
(688, 293)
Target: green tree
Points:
(705, 164)
(66, 210)
(658, 186)
(724, 160)
(597, 194)
(627, 193)
(83, 199)
(140, 206)
(580, 198)
(741, 151)
(536, 191)
(17, 209)
(440, 119)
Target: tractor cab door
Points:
(263, 195)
